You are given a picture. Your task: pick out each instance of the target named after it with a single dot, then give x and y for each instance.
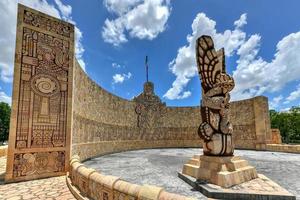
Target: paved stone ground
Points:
(160, 166)
(2, 166)
(49, 188)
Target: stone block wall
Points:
(104, 123)
(276, 137)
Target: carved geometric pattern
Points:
(38, 163)
(47, 92)
(39, 139)
(47, 24)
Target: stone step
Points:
(191, 170)
(194, 161)
(237, 164)
(227, 179)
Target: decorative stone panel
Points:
(40, 129)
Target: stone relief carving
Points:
(47, 24)
(216, 128)
(38, 163)
(44, 56)
(43, 96)
(149, 108)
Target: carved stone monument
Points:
(218, 173)
(40, 129)
(149, 107)
(215, 129)
(217, 165)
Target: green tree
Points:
(288, 123)
(4, 121)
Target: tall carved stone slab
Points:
(40, 129)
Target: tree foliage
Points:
(288, 123)
(4, 121)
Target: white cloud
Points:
(242, 21)
(113, 32)
(66, 10)
(275, 102)
(285, 110)
(254, 75)
(8, 10)
(120, 6)
(293, 95)
(116, 65)
(79, 49)
(142, 19)
(120, 78)
(184, 65)
(5, 98)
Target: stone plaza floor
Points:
(159, 167)
(54, 188)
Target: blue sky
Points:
(261, 40)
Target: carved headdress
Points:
(211, 66)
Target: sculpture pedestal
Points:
(223, 171)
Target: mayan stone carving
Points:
(38, 163)
(149, 107)
(215, 129)
(40, 129)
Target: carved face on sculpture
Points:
(224, 81)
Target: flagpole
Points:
(146, 63)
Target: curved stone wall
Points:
(104, 123)
(87, 183)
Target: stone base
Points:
(223, 171)
(260, 188)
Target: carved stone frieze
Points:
(38, 163)
(45, 23)
(44, 79)
(149, 108)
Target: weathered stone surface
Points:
(216, 128)
(159, 167)
(261, 188)
(225, 171)
(276, 137)
(87, 183)
(104, 123)
(217, 165)
(50, 188)
(40, 128)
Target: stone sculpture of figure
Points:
(215, 129)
